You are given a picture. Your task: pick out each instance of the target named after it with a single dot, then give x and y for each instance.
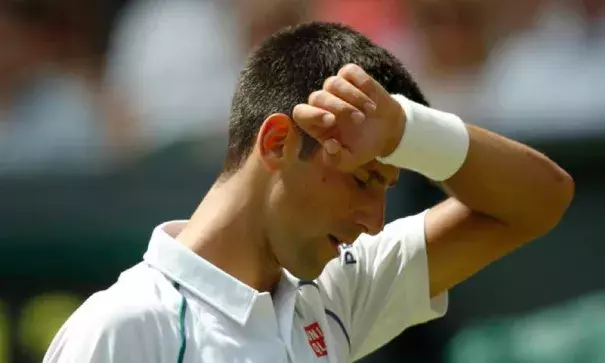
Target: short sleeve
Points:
(102, 333)
(380, 285)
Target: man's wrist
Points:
(395, 134)
(434, 143)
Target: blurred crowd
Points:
(90, 86)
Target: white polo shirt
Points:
(177, 307)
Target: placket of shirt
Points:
(313, 300)
(263, 320)
(285, 301)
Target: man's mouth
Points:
(335, 240)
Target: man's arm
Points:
(504, 195)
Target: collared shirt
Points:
(177, 307)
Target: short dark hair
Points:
(288, 66)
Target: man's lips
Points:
(334, 239)
(340, 240)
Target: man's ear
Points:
(275, 140)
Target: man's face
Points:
(313, 208)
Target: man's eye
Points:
(360, 183)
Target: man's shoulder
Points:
(141, 296)
(140, 309)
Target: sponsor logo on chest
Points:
(316, 339)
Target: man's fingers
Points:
(363, 81)
(337, 106)
(311, 118)
(337, 156)
(313, 121)
(346, 91)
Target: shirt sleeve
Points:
(380, 285)
(108, 334)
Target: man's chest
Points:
(306, 339)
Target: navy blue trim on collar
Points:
(303, 283)
(337, 319)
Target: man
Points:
(321, 123)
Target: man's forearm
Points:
(486, 173)
(511, 182)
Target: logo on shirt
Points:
(349, 259)
(316, 339)
(348, 255)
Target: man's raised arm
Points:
(503, 193)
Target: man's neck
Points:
(227, 230)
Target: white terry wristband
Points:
(434, 143)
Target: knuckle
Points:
(315, 97)
(366, 83)
(349, 69)
(331, 83)
(296, 111)
(345, 108)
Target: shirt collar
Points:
(206, 281)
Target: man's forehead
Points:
(386, 174)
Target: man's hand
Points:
(504, 195)
(353, 117)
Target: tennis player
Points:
(287, 258)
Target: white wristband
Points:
(434, 143)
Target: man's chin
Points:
(308, 274)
